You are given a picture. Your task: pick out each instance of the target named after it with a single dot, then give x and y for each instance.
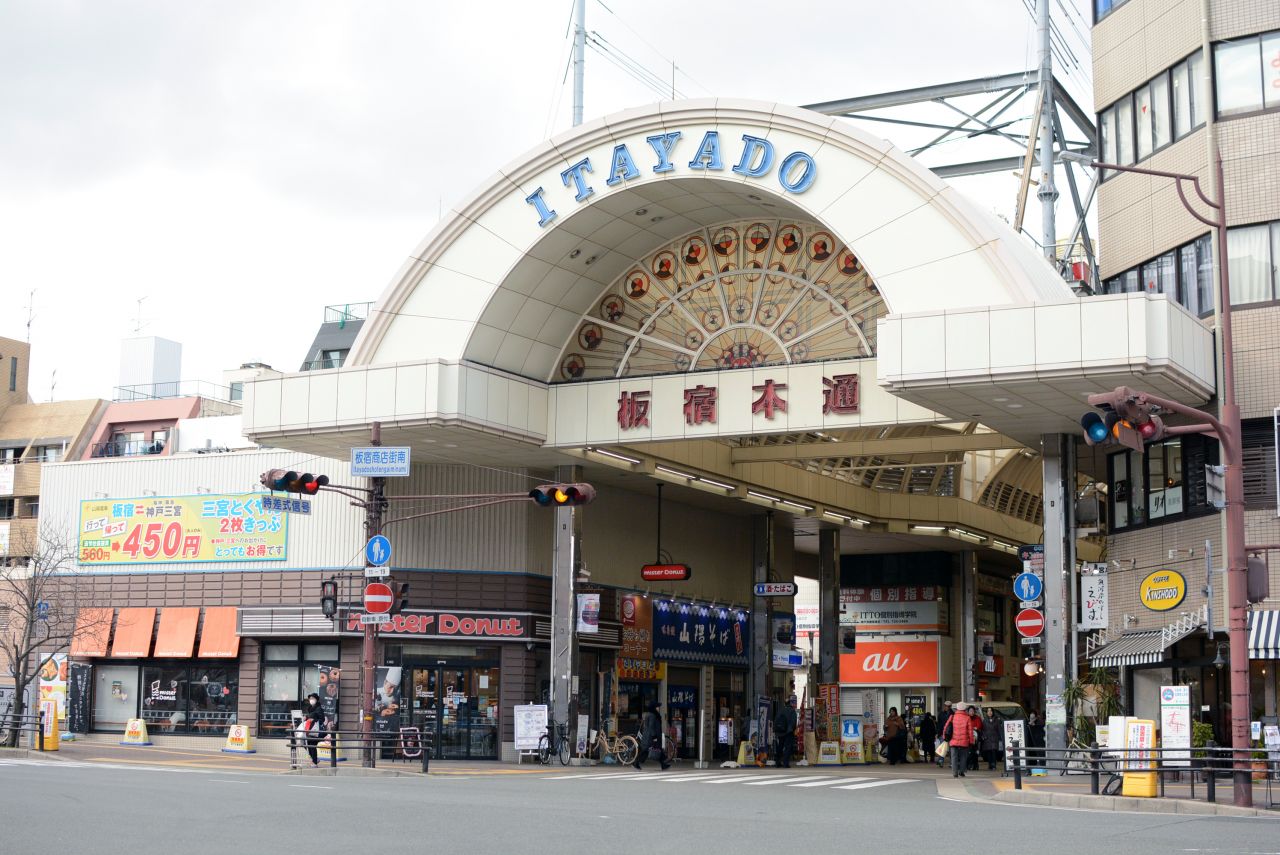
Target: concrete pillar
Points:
(1058, 456)
(762, 549)
(828, 607)
(565, 561)
(968, 625)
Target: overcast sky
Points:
(240, 165)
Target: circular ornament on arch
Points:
(724, 241)
(820, 246)
(613, 308)
(758, 235)
(789, 240)
(664, 265)
(573, 366)
(590, 336)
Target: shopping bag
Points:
(943, 748)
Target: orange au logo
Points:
(888, 662)
(892, 663)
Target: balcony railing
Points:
(346, 312)
(321, 364)
(174, 389)
(127, 448)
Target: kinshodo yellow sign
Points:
(180, 530)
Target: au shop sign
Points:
(688, 632)
(893, 663)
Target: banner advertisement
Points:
(79, 696)
(637, 626)
(902, 608)
(7, 471)
(1175, 724)
(588, 614)
(386, 708)
(1014, 732)
(892, 663)
(829, 698)
(1093, 600)
(693, 633)
(330, 684)
(180, 530)
(53, 682)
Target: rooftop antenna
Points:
(138, 324)
(53, 383)
(31, 312)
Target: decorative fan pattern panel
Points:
(731, 296)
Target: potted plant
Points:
(1201, 734)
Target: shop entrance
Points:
(459, 702)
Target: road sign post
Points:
(377, 552)
(1029, 623)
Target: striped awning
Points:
(1134, 648)
(1264, 635)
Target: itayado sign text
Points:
(443, 624)
(755, 159)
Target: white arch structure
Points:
(470, 331)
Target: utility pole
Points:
(579, 56)
(1047, 193)
(373, 526)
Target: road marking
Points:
(727, 779)
(878, 783)
(770, 781)
(589, 777)
(643, 776)
(828, 782)
(226, 781)
(310, 787)
(701, 776)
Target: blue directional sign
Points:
(42, 610)
(378, 550)
(1027, 586)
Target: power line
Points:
(667, 60)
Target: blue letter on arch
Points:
(750, 146)
(805, 181)
(623, 168)
(708, 151)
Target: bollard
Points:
(40, 732)
(333, 752)
(1017, 767)
(1094, 784)
(424, 745)
(1211, 782)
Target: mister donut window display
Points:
(739, 287)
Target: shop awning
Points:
(133, 633)
(218, 639)
(1140, 648)
(1264, 635)
(93, 628)
(176, 637)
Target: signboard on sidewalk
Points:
(1175, 724)
(530, 726)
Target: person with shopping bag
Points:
(959, 735)
(313, 726)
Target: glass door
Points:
(459, 703)
(454, 713)
(422, 706)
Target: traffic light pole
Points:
(373, 526)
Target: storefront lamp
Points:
(1221, 659)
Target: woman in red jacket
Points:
(961, 733)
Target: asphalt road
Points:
(55, 806)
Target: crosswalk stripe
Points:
(828, 782)
(701, 776)
(586, 776)
(770, 781)
(727, 779)
(878, 783)
(645, 776)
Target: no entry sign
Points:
(377, 598)
(1030, 623)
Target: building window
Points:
(10, 455)
(1253, 253)
(290, 672)
(1185, 274)
(48, 453)
(990, 616)
(13, 374)
(1161, 111)
(200, 699)
(237, 391)
(1246, 74)
(7, 507)
(1103, 8)
(1259, 459)
(1164, 483)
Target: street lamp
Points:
(1227, 429)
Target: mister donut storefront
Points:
(780, 319)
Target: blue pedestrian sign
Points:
(378, 550)
(1028, 586)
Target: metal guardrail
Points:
(32, 723)
(408, 743)
(1207, 764)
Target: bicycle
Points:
(554, 742)
(623, 749)
(1079, 760)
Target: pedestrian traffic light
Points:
(288, 481)
(562, 495)
(329, 597)
(401, 600)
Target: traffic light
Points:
(849, 639)
(288, 481)
(329, 597)
(401, 601)
(562, 495)
(1125, 419)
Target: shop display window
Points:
(290, 672)
(115, 696)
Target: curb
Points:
(1183, 807)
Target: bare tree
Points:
(42, 599)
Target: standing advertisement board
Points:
(1175, 725)
(530, 726)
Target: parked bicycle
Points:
(623, 749)
(555, 742)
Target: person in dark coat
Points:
(928, 735)
(314, 717)
(992, 739)
(1035, 731)
(784, 725)
(895, 734)
(651, 738)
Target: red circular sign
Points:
(377, 598)
(1030, 623)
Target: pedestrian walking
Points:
(928, 734)
(651, 739)
(960, 733)
(784, 725)
(895, 735)
(975, 754)
(314, 719)
(943, 719)
(992, 740)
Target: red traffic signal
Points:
(1125, 419)
(288, 481)
(562, 495)
(329, 598)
